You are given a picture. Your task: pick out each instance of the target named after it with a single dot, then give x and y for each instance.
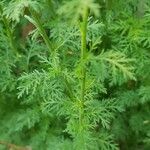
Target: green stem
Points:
(83, 50)
(41, 29)
(83, 30)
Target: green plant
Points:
(80, 80)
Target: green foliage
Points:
(80, 80)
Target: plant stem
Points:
(41, 29)
(83, 29)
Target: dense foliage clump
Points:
(75, 74)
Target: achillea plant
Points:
(80, 80)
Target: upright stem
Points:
(83, 29)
